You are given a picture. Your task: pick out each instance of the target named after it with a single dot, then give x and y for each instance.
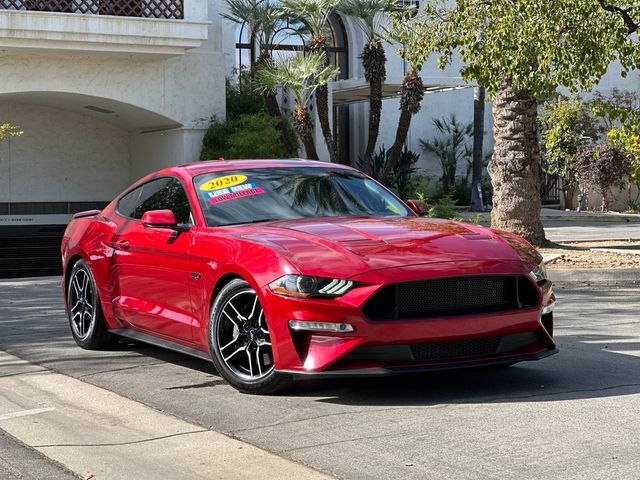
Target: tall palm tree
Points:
(263, 19)
(415, 53)
(301, 74)
(314, 16)
(368, 15)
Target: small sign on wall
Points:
(60, 219)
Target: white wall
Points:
(61, 156)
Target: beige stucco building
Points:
(102, 95)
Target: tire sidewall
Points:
(266, 384)
(91, 338)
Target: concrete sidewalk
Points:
(553, 214)
(89, 429)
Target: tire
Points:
(84, 311)
(239, 341)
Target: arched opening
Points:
(76, 153)
(288, 39)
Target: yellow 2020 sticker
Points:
(222, 182)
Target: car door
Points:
(153, 264)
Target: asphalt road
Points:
(573, 415)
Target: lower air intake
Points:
(456, 349)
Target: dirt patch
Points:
(580, 255)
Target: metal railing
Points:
(170, 9)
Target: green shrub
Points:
(444, 208)
(248, 136)
(403, 179)
(243, 99)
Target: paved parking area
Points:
(573, 415)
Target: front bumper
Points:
(329, 354)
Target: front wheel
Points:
(240, 343)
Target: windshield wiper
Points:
(250, 221)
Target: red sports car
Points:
(278, 268)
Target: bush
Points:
(248, 136)
(602, 167)
(249, 131)
(451, 147)
(243, 98)
(403, 178)
(444, 208)
(566, 125)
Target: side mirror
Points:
(419, 207)
(162, 219)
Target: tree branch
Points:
(625, 13)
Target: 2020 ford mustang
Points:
(278, 268)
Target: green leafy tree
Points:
(7, 130)
(566, 125)
(369, 16)
(301, 74)
(314, 15)
(521, 51)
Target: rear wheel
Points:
(86, 319)
(240, 342)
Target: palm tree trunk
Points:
(375, 72)
(322, 102)
(272, 105)
(302, 124)
(515, 166)
(478, 141)
(318, 43)
(273, 109)
(411, 95)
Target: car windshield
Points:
(255, 195)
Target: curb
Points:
(608, 276)
(594, 219)
(587, 217)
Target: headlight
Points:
(539, 273)
(304, 286)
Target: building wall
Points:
(161, 105)
(61, 156)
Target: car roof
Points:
(207, 166)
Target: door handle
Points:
(122, 245)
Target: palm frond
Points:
(368, 15)
(301, 73)
(314, 14)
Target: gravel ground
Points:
(583, 255)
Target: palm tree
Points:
(451, 147)
(368, 15)
(314, 16)
(415, 53)
(263, 19)
(301, 74)
(321, 191)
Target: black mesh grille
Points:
(456, 349)
(452, 296)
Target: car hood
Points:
(349, 246)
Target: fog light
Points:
(320, 326)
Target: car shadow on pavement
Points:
(588, 366)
